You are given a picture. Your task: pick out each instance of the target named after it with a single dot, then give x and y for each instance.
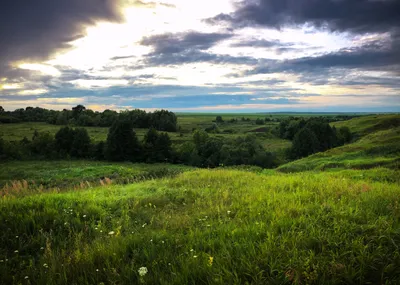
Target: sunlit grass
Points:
(207, 227)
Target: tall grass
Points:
(206, 227)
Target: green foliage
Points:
(305, 142)
(64, 139)
(157, 147)
(43, 144)
(219, 119)
(122, 143)
(260, 121)
(81, 144)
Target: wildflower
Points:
(16, 251)
(84, 216)
(192, 250)
(142, 271)
(163, 241)
(210, 261)
(111, 233)
(16, 236)
(95, 228)
(45, 265)
(26, 277)
(1, 260)
(194, 256)
(145, 224)
(228, 212)
(97, 270)
(42, 248)
(101, 231)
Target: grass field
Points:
(206, 227)
(335, 219)
(64, 174)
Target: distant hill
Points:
(377, 144)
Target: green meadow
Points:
(330, 218)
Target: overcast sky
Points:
(201, 56)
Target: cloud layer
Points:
(241, 56)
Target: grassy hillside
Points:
(379, 146)
(368, 124)
(206, 227)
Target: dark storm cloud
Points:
(189, 47)
(338, 15)
(176, 43)
(33, 30)
(371, 56)
(193, 56)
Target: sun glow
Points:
(43, 68)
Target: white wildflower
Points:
(142, 271)
(26, 277)
(84, 216)
(111, 233)
(16, 251)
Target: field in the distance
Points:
(187, 122)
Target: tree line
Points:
(161, 120)
(122, 144)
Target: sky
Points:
(201, 56)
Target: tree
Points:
(199, 138)
(64, 139)
(305, 142)
(80, 147)
(218, 119)
(259, 121)
(122, 143)
(157, 146)
(42, 144)
(76, 111)
(1, 110)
